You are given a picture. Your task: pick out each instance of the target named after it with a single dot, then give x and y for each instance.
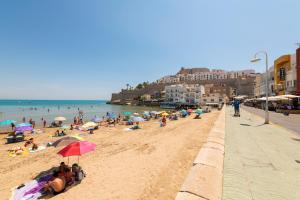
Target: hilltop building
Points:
(204, 74)
(222, 85)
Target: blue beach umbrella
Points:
(137, 119)
(146, 113)
(7, 122)
(96, 119)
(23, 125)
(111, 116)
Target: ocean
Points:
(49, 109)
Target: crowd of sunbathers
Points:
(63, 178)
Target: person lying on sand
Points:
(56, 185)
(136, 126)
(57, 133)
(29, 142)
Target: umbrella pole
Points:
(68, 160)
(78, 160)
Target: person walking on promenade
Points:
(44, 123)
(236, 105)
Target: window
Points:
(212, 100)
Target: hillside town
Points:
(194, 86)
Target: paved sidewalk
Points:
(260, 160)
(291, 122)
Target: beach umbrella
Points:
(137, 119)
(77, 149)
(136, 114)
(189, 110)
(89, 125)
(146, 113)
(23, 124)
(183, 111)
(66, 141)
(127, 113)
(7, 122)
(165, 114)
(65, 127)
(290, 96)
(96, 119)
(23, 128)
(60, 119)
(111, 116)
(198, 111)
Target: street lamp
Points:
(256, 59)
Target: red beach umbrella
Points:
(77, 148)
(190, 110)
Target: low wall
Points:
(205, 179)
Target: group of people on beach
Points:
(62, 178)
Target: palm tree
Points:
(127, 85)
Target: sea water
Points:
(49, 109)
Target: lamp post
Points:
(256, 59)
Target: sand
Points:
(150, 163)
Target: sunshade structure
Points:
(165, 114)
(89, 125)
(23, 128)
(65, 127)
(111, 116)
(60, 119)
(137, 119)
(289, 96)
(199, 111)
(7, 122)
(23, 124)
(66, 141)
(136, 114)
(146, 113)
(273, 98)
(77, 149)
(96, 119)
(189, 110)
(127, 113)
(154, 112)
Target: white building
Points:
(183, 93)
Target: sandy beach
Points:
(150, 163)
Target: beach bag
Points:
(79, 176)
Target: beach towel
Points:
(18, 151)
(30, 190)
(128, 129)
(40, 148)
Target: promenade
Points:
(291, 122)
(262, 162)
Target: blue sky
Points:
(71, 49)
